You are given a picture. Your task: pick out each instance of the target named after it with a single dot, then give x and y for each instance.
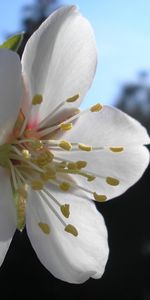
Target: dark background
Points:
(127, 274)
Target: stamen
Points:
(71, 229)
(65, 209)
(81, 164)
(66, 126)
(18, 124)
(46, 120)
(14, 181)
(28, 162)
(96, 108)
(48, 130)
(44, 227)
(52, 197)
(19, 175)
(76, 186)
(24, 124)
(88, 174)
(90, 177)
(99, 198)
(37, 99)
(36, 145)
(23, 141)
(51, 207)
(44, 158)
(34, 167)
(73, 99)
(72, 166)
(64, 186)
(112, 181)
(116, 149)
(84, 147)
(65, 145)
(31, 163)
(26, 154)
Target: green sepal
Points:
(13, 43)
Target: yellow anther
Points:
(49, 155)
(37, 99)
(37, 145)
(37, 185)
(73, 99)
(95, 108)
(64, 186)
(44, 158)
(65, 210)
(44, 227)
(99, 198)
(66, 126)
(65, 145)
(112, 181)
(26, 154)
(90, 177)
(84, 147)
(81, 164)
(116, 149)
(72, 166)
(71, 229)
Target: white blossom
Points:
(56, 160)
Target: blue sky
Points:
(122, 30)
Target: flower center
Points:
(32, 164)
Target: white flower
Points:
(55, 160)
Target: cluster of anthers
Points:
(28, 156)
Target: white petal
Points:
(10, 91)
(108, 128)
(59, 60)
(126, 166)
(7, 215)
(69, 258)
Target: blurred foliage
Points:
(13, 43)
(34, 15)
(134, 99)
